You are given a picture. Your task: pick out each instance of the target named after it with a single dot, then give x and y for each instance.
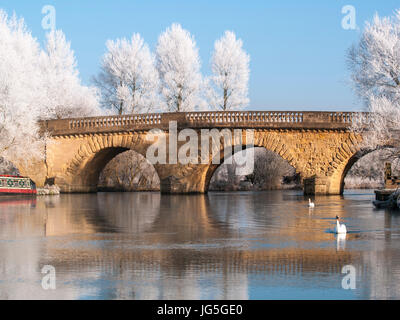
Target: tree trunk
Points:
(225, 99)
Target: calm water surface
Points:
(245, 245)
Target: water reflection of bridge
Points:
(150, 240)
(173, 232)
(268, 262)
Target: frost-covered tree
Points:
(375, 73)
(63, 94)
(35, 84)
(375, 59)
(128, 79)
(230, 67)
(20, 95)
(178, 64)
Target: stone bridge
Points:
(319, 145)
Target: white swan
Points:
(340, 228)
(310, 204)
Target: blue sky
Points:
(297, 48)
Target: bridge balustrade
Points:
(206, 119)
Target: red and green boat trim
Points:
(16, 185)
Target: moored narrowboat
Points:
(16, 185)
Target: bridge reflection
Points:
(148, 245)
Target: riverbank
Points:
(362, 183)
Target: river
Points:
(227, 245)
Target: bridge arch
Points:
(93, 154)
(346, 155)
(357, 156)
(268, 175)
(268, 140)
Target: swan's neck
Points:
(337, 223)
